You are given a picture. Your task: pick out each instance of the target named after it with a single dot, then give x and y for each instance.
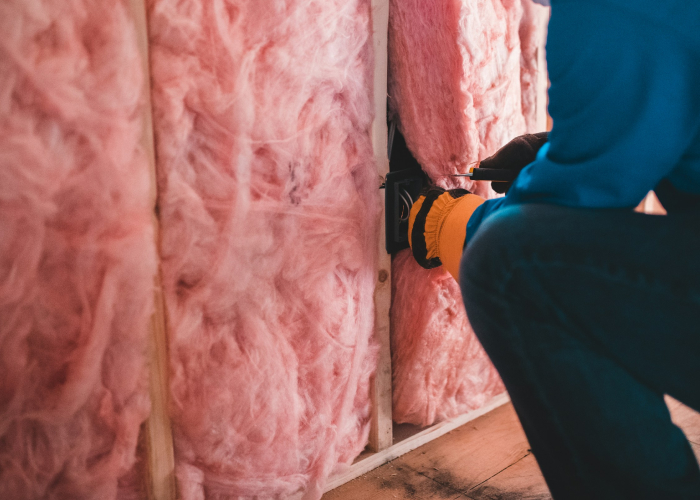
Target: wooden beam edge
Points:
(380, 436)
(161, 455)
(159, 438)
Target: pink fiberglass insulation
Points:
(268, 204)
(460, 87)
(77, 256)
(440, 369)
(533, 26)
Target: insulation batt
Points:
(462, 84)
(269, 205)
(533, 29)
(77, 254)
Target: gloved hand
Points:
(515, 155)
(437, 227)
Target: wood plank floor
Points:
(488, 458)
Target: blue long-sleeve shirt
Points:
(625, 103)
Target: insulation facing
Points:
(77, 253)
(462, 79)
(268, 199)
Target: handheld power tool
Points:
(404, 183)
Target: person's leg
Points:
(590, 316)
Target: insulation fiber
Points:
(269, 204)
(77, 255)
(461, 85)
(533, 29)
(445, 371)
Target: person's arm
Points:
(624, 109)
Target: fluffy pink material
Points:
(454, 79)
(269, 204)
(533, 27)
(455, 86)
(440, 368)
(77, 256)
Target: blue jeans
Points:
(591, 316)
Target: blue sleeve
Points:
(625, 108)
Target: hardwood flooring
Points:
(486, 459)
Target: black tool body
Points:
(404, 183)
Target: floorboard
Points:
(520, 481)
(473, 453)
(486, 459)
(391, 482)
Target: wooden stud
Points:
(161, 456)
(380, 436)
(159, 438)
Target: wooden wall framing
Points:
(385, 442)
(159, 437)
(381, 437)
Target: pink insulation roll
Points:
(460, 87)
(533, 29)
(269, 205)
(77, 253)
(443, 371)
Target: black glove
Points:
(515, 155)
